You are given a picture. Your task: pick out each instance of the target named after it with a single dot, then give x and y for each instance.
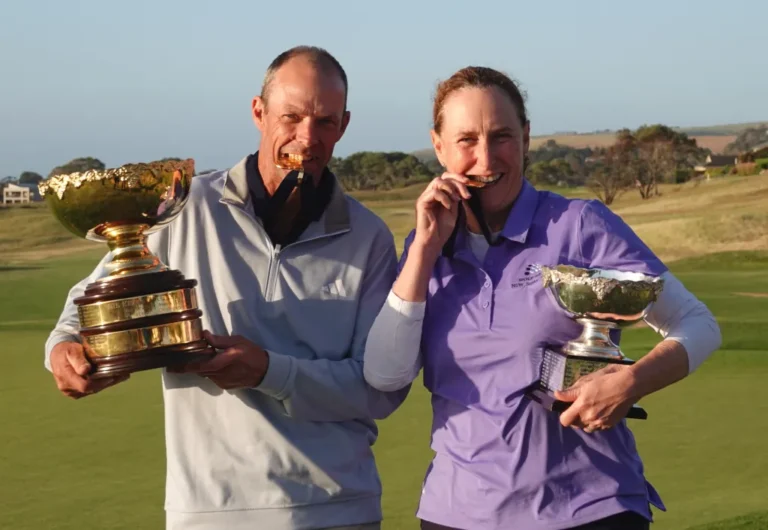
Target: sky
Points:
(141, 80)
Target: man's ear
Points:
(258, 110)
(345, 122)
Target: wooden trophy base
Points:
(169, 356)
(561, 370)
(141, 322)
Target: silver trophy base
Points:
(560, 370)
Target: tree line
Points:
(637, 160)
(367, 170)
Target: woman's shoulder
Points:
(556, 207)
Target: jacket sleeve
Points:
(67, 328)
(335, 390)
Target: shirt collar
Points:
(236, 192)
(518, 221)
(521, 216)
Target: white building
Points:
(13, 194)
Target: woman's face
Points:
(482, 138)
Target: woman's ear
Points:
(437, 144)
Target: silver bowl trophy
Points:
(601, 300)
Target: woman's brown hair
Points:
(480, 77)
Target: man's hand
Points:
(599, 400)
(239, 364)
(71, 368)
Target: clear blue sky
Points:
(140, 80)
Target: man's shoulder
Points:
(207, 187)
(364, 220)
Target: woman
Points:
(469, 308)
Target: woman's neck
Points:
(494, 220)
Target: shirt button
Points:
(487, 284)
(486, 304)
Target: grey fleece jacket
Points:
(295, 452)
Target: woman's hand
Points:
(437, 210)
(599, 400)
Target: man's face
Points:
(304, 114)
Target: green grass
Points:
(100, 462)
(751, 521)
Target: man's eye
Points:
(291, 117)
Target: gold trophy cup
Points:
(141, 315)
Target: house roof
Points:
(720, 160)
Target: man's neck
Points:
(271, 176)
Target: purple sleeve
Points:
(607, 242)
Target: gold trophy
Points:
(141, 315)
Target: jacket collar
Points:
(335, 218)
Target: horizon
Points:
(85, 84)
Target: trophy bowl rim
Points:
(602, 273)
(568, 276)
(70, 192)
(58, 184)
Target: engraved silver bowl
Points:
(601, 300)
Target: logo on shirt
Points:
(531, 275)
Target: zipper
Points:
(274, 264)
(274, 261)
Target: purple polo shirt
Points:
(502, 461)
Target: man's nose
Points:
(307, 132)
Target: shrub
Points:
(746, 169)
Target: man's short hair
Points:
(317, 56)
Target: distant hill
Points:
(712, 137)
(720, 130)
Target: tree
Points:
(647, 157)
(607, 183)
(30, 177)
(377, 170)
(615, 169)
(656, 164)
(747, 139)
(77, 165)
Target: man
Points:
(275, 431)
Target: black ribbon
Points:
(314, 199)
(476, 208)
